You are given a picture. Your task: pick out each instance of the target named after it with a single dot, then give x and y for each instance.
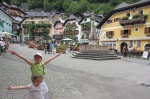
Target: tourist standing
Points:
(125, 51)
(130, 51)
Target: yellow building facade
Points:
(127, 25)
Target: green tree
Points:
(73, 7)
(66, 5)
(46, 5)
(30, 4)
(59, 5)
(17, 2)
(38, 3)
(7, 1)
(83, 5)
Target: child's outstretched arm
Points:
(47, 61)
(17, 87)
(20, 56)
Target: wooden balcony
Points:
(140, 20)
(39, 25)
(86, 29)
(110, 36)
(24, 25)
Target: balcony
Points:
(57, 37)
(135, 20)
(110, 36)
(38, 25)
(24, 25)
(125, 36)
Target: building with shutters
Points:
(127, 24)
(42, 21)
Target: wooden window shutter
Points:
(36, 30)
(115, 20)
(112, 33)
(106, 34)
(121, 33)
(129, 32)
(146, 30)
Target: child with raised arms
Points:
(37, 67)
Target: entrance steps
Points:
(95, 55)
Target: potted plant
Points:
(62, 48)
(40, 47)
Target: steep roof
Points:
(38, 14)
(50, 17)
(2, 9)
(123, 7)
(75, 16)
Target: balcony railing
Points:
(86, 29)
(38, 25)
(110, 36)
(140, 20)
(125, 36)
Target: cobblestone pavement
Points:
(69, 78)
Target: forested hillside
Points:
(70, 6)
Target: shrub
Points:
(62, 48)
(40, 47)
(145, 15)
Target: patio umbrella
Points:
(67, 39)
(3, 33)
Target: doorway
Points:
(122, 45)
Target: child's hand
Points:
(10, 88)
(12, 52)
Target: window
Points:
(40, 22)
(147, 30)
(40, 30)
(141, 12)
(85, 19)
(128, 14)
(109, 34)
(138, 43)
(46, 22)
(136, 29)
(131, 43)
(116, 19)
(126, 33)
(109, 21)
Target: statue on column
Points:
(92, 34)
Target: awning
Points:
(83, 41)
(67, 39)
(7, 33)
(12, 34)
